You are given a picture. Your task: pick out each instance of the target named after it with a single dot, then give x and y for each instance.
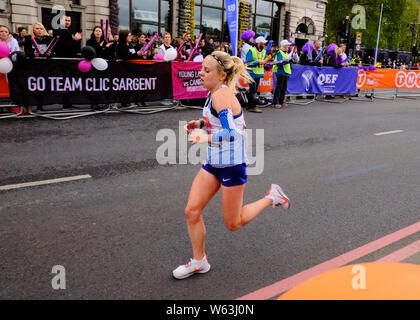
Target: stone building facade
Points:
(85, 13)
(296, 20)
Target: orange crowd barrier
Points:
(388, 79)
(266, 83)
(4, 86)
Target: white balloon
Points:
(170, 54)
(198, 58)
(6, 65)
(99, 64)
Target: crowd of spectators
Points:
(128, 45)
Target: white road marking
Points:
(43, 182)
(388, 132)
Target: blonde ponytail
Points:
(233, 66)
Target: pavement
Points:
(121, 231)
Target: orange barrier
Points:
(4, 87)
(388, 79)
(266, 83)
(135, 61)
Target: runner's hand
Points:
(191, 125)
(198, 136)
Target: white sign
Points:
(143, 15)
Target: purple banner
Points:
(325, 80)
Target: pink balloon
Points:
(85, 65)
(4, 49)
(159, 57)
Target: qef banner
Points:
(322, 80)
(43, 82)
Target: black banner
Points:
(47, 81)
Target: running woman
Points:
(225, 167)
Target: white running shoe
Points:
(191, 267)
(278, 196)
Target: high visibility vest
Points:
(286, 67)
(258, 56)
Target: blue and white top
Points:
(225, 152)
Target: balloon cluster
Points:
(89, 55)
(366, 68)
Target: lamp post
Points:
(379, 33)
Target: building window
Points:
(212, 23)
(306, 26)
(145, 16)
(213, 3)
(197, 21)
(165, 17)
(209, 17)
(149, 16)
(264, 8)
(262, 25)
(266, 18)
(124, 14)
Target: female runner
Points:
(225, 167)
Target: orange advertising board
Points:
(266, 83)
(4, 86)
(388, 79)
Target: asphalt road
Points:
(120, 233)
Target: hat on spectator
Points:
(260, 40)
(246, 35)
(285, 43)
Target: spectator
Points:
(220, 48)
(211, 43)
(334, 58)
(186, 47)
(207, 49)
(51, 33)
(282, 72)
(308, 58)
(343, 48)
(254, 57)
(125, 49)
(167, 39)
(316, 52)
(228, 49)
(41, 38)
(139, 40)
(141, 43)
(248, 38)
(98, 42)
(69, 44)
(5, 36)
(20, 37)
(292, 53)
